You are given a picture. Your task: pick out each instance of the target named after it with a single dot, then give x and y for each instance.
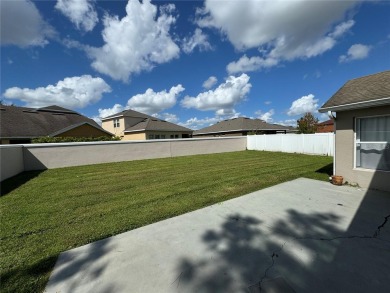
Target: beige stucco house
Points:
(362, 125)
(133, 125)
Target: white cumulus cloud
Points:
(287, 122)
(198, 39)
(281, 30)
(267, 116)
(210, 82)
(355, 52)
(110, 111)
(152, 102)
(196, 123)
(303, 105)
(168, 117)
(261, 22)
(135, 43)
(80, 12)
(342, 28)
(22, 25)
(72, 92)
(245, 64)
(223, 98)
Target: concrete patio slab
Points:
(299, 236)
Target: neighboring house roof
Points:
(154, 124)
(241, 124)
(21, 122)
(127, 113)
(327, 122)
(367, 91)
(148, 123)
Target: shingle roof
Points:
(154, 124)
(327, 122)
(128, 113)
(364, 89)
(241, 124)
(21, 122)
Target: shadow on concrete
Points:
(70, 275)
(15, 182)
(297, 253)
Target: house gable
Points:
(364, 92)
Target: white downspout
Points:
(334, 147)
(333, 117)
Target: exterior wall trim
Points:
(357, 105)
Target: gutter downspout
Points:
(333, 117)
(334, 148)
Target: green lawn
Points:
(45, 213)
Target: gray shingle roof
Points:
(21, 122)
(128, 113)
(241, 124)
(364, 89)
(148, 122)
(154, 124)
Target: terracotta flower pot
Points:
(337, 180)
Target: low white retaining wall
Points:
(19, 158)
(319, 143)
(11, 160)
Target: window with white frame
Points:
(373, 143)
(116, 123)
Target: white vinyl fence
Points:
(319, 143)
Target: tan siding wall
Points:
(83, 131)
(134, 136)
(345, 150)
(109, 126)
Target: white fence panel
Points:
(319, 143)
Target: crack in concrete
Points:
(378, 230)
(275, 253)
(178, 280)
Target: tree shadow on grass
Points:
(68, 270)
(10, 184)
(37, 270)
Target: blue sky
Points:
(189, 62)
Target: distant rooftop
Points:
(128, 113)
(34, 122)
(147, 122)
(242, 124)
(154, 124)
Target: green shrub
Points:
(48, 139)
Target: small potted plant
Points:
(337, 180)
